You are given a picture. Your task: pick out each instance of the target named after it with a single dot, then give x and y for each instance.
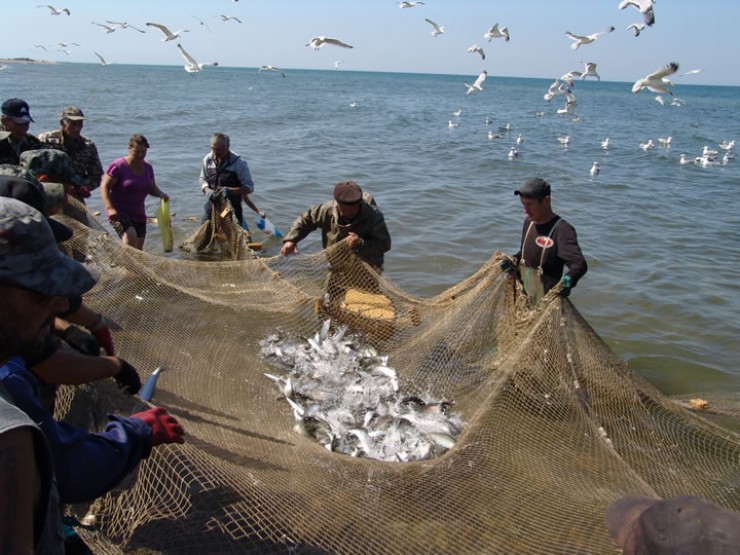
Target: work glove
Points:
(165, 428)
(81, 341)
(82, 191)
(128, 378)
(508, 264)
(567, 286)
(103, 335)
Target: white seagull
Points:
(648, 145)
(453, 124)
(37, 45)
(590, 71)
(125, 25)
(496, 33)
(338, 63)
(594, 169)
(229, 17)
(665, 142)
(53, 10)
(199, 20)
(519, 139)
(193, 66)
(605, 144)
(457, 113)
(727, 145)
(565, 141)
(437, 29)
(478, 84)
(513, 152)
(693, 72)
(66, 44)
(683, 160)
(637, 28)
(168, 35)
(656, 81)
(728, 157)
(108, 28)
(271, 68)
(477, 49)
(587, 39)
(410, 4)
(102, 60)
(659, 100)
(645, 7)
(317, 42)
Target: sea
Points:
(662, 239)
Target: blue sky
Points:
(697, 35)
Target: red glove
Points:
(83, 192)
(101, 332)
(165, 429)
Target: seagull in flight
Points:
(645, 7)
(228, 17)
(317, 42)
(590, 71)
(193, 66)
(637, 28)
(168, 35)
(410, 4)
(338, 63)
(587, 39)
(108, 29)
(496, 33)
(477, 49)
(53, 10)
(271, 68)
(66, 44)
(102, 60)
(693, 72)
(199, 20)
(656, 81)
(125, 25)
(436, 29)
(37, 45)
(478, 84)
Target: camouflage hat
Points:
(29, 255)
(51, 162)
(34, 196)
(54, 191)
(73, 112)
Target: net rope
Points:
(557, 426)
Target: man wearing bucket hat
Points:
(81, 150)
(14, 137)
(548, 245)
(352, 217)
(684, 525)
(55, 166)
(36, 279)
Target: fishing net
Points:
(555, 426)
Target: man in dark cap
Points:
(352, 217)
(683, 525)
(548, 245)
(36, 279)
(81, 150)
(14, 137)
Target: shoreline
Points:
(25, 61)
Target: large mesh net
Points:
(556, 426)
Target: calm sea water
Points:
(662, 240)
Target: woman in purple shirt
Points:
(126, 184)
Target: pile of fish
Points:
(344, 395)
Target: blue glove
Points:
(567, 286)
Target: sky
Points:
(696, 35)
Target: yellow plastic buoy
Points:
(164, 222)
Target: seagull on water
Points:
(565, 141)
(683, 160)
(125, 25)
(513, 152)
(637, 28)
(410, 4)
(229, 17)
(317, 42)
(477, 49)
(436, 29)
(168, 35)
(665, 142)
(453, 124)
(492, 135)
(728, 157)
(519, 139)
(645, 7)
(271, 68)
(706, 151)
(108, 28)
(727, 145)
(587, 39)
(478, 84)
(590, 70)
(457, 113)
(605, 144)
(53, 10)
(656, 81)
(193, 66)
(648, 145)
(594, 169)
(102, 60)
(496, 33)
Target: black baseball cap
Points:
(534, 188)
